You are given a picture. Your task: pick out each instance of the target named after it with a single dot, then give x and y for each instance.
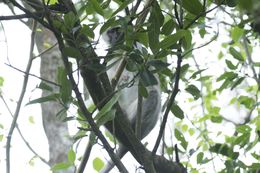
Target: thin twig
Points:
(203, 45)
(19, 103)
(46, 50)
(21, 135)
(138, 122)
(86, 154)
(26, 73)
(37, 18)
(170, 102)
(200, 15)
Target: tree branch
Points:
(19, 103)
(170, 102)
(19, 16)
(21, 135)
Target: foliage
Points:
(213, 97)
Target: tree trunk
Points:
(55, 130)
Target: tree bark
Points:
(55, 130)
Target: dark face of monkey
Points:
(114, 35)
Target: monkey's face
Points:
(113, 35)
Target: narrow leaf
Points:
(192, 6)
(230, 65)
(44, 86)
(122, 6)
(61, 166)
(147, 78)
(48, 98)
(194, 91)
(179, 136)
(172, 39)
(97, 7)
(108, 106)
(236, 54)
(224, 150)
(177, 111)
(71, 156)
(108, 116)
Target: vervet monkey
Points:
(128, 99)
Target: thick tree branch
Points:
(19, 16)
(84, 110)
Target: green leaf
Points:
(236, 54)
(147, 78)
(227, 75)
(194, 75)
(72, 52)
(52, 97)
(98, 164)
(177, 111)
(158, 64)
(231, 65)
(1, 81)
(236, 33)
(156, 20)
(192, 6)
(66, 88)
(248, 102)
(122, 6)
(216, 119)
(1, 138)
(87, 31)
(246, 4)
(31, 119)
(202, 32)
(44, 86)
(97, 7)
(200, 157)
(179, 136)
(243, 129)
(224, 150)
(71, 156)
(172, 39)
(108, 116)
(168, 27)
(194, 91)
(61, 166)
(108, 106)
(187, 40)
(142, 90)
(70, 20)
(108, 24)
(256, 64)
(255, 166)
(242, 140)
(51, 2)
(232, 3)
(59, 26)
(237, 82)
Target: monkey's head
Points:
(113, 35)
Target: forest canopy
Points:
(201, 56)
